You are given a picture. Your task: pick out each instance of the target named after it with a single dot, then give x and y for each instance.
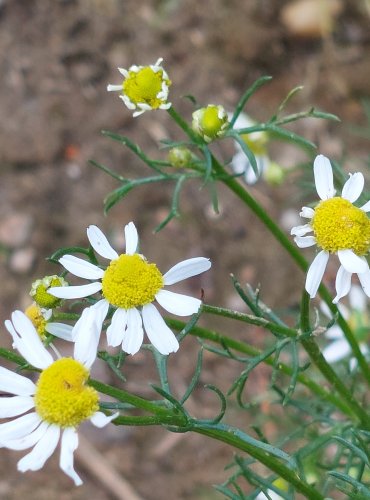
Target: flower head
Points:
(180, 156)
(130, 284)
(39, 291)
(210, 122)
(339, 227)
(144, 87)
(60, 400)
(42, 320)
(256, 142)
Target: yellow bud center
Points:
(62, 396)
(34, 313)
(130, 281)
(40, 294)
(338, 225)
(144, 85)
(210, 122)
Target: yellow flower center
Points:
(62, 396)
(143, 86)
(33, 312)
(256, 142)
(339, 225)
(130, 281)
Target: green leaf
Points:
(246, 150)
(359, 488)
(68, 250)
(355, 449)
(246, 96)
(115, 196)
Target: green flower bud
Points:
(179, 156)
(39, 291)
(210, 122)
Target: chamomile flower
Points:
(52, 408)
(210, 122)
(256, 142)
(338, 227)
(42, 320)
(144, 88)
(130, 284)
(358, 318)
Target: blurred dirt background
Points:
(56, 58)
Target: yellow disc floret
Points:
(39, 291)
(62, 396)
(130, 281)
(339, 225)
(144, 85)
(33, 312)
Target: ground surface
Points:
(56, 60)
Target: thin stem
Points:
(318, 359)
(252, 320)
(235, 438)
(245, 348)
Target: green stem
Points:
(252, 320)
(237, 188)
(244, 348)
(126, 397)
(318, 359)
(234, 437)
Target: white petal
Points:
(334, 333)
(19, 427)
(81, 268)
(352, 262)
(239, 161)
(43, 449)
(60, 330)
(316, 272)
(100, 243)
(29, 440)
(114, 88)
(323, 177)
(27, 341)
(352, 189)
(365, 282)
(13, 383)
(366, 207)
(357, 298)
(133, 336)
(301, 230)
(186, 269)
(177, 303)
(305, 241)
(131, 238)
(68, 445)
(123, 72)
(116, 329)
(307, 212)
(14, 406)
(158, 332)
(337, 350)
(100, 420)
(86, 332)
(75, 292)
(342, 283)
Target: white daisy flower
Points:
(131, 284)
(338, 227)
(144, 88)
(256, 142)
(43, 323)
(60, 400)
(358, 318)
